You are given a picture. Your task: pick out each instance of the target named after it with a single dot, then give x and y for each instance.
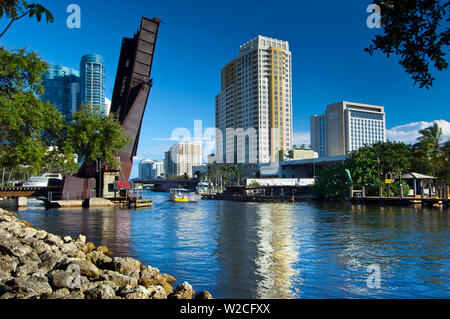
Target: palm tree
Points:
(429, 145)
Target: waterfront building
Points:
(346, 127)
(256, 96)
(151, 170)
(62, 88)
(92, 82)
(180, 159)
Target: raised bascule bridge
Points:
(131, 91)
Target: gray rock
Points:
(40, 247)
(19, 250)
(69, 249)
(58, 294)
(9, 295)
(102, 291)
(32, 284)
(49, 260)
(41, 234)
(82, 239)
(150, 277)
(53, 240)
(184, 291)
(99, 259)
(59, 278)
(126, 290)
(28, 258)
(157, 292)
(126, 266)
(120, 280)
(28, 232)
(27, 268)
(75, 295)
(139, 292)
(87, 268)
(8, 265)
(204, 295)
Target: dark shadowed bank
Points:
(35, 264)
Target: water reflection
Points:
(245, 250)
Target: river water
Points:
(253, 250)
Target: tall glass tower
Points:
(62, 88)
(92, 71)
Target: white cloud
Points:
(409, 133)
(301, 137)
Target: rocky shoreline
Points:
(35, 264)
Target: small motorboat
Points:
(179, 195)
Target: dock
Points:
(359, 197)
(256, 199)
(132, 202)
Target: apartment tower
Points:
(180, 159)
(92, 71)
(256, 95)
(62, 88)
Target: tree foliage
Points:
(431, 155)
(28, 126)
(331, 183)
(415, 30)
(18, 9)
(96, 137)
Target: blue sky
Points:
(198, 38)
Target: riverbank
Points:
(35, 264)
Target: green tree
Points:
(331, 183)
(430, 154)
(29, 127)
(18, 9)
(370, 165)
(415, 30)
(95, 137)
(445, 169)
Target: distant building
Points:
(256, 96)
(319, 134)
(180, 159)
(295, 155)
(92, 80)
(346, 127)
(62, 88)
(151, 170)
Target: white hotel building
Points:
(346, 127)
(256, 93)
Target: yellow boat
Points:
(179, 195)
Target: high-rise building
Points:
(346, 127)
(151, 170)
(319, 134)
(62, 88)
(256, 94)
(92, 82)
(180, 159)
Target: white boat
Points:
(41, 181)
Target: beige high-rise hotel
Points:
(256, 94)
(346, 127)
